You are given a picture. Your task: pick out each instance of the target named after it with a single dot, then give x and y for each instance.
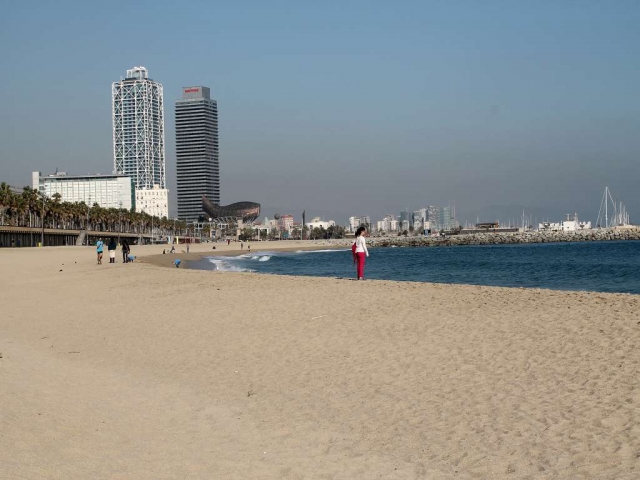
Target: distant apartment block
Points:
(388, 224)
(197, 155)
(108, 191)
(285, 223)
(355, 222)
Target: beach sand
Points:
(143, 372)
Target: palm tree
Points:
(31, 208)
(6, 197)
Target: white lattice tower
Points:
(138, 129)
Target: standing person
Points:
(125, 251)
(99, 247)
(112, 250)
(361, 251)
(187, 248)
(241, 245)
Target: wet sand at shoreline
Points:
(199, 251)
(137, 371)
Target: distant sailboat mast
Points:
(620, 216)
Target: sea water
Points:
(593, 266)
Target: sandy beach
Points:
(144, 372)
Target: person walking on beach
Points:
(125, 251)
(187, 248)
(112, 250)
(99, 248)
(361, 251)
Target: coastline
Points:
(198, 252)
(242, 375)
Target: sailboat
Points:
(616, 216)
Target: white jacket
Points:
(361, 245)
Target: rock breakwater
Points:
(490, 238)
(594, 235)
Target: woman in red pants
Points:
(361, 251)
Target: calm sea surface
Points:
(595, 266)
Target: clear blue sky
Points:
(345, 108)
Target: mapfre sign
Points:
(191, 90)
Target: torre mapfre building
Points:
(197, 156)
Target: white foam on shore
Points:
(240, 263)
(323, 251)
(223, 265)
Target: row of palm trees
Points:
(30, 208)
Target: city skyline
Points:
(342, 109)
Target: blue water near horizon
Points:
(589, 266)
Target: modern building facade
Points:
(138, 131)
(153, 201)
(197, 155)
(108, 191)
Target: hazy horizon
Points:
(339, 110)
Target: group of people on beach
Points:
(359, 250)
(112, 247)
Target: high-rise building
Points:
(138, 137)
(405, 215)
(197, 158)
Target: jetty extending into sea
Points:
(502, 238)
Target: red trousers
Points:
(360, 256)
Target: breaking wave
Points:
(224, 265)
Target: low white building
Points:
(567, 225)
(317, 222)
(153, 201)
(265, 226)
(108, 191)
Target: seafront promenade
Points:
(11, 236)
(137, 371)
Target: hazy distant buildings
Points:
(388, 224)
(197, 156)
(317, 222)
(405, 215)
(355, 222)
(108, 191)
(429, 219)
(443, 220)
(138, 138)
(285, 223)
